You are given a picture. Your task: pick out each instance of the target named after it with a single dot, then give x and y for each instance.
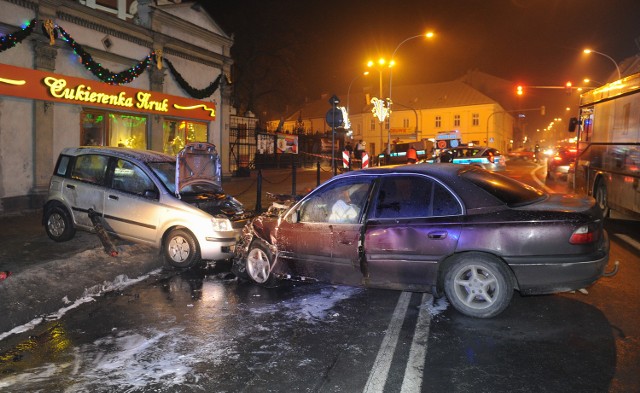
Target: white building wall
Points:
(66, 122)
(16, 146)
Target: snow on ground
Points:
(160, 357)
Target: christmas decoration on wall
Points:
(50, 30)
(105, 75)
(159, 58)
(193, 92)
(11, 40)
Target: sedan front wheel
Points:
(478, 285)
(259, 264)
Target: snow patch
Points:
(120, 282)
(436, 306)
(312, 308)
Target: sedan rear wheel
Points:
(181, 249)
(58, 224)
(478, 285)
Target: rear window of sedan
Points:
(512, 192)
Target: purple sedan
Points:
(461, 231)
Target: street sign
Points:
(334, 117)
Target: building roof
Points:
(422, 96)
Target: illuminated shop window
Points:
(92, 129)
(113, 129)
(128, 131)
(176, 133)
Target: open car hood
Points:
(198, 162)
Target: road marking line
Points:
(628, 240)
(380, 370)
(412, 381)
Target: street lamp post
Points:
(349, 89)
(347, 121)
(587, 51)
(391, 64)
(370, 64)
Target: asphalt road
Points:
(202, 330)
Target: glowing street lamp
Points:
(587, 80)
(587, 51)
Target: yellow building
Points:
(419, 112)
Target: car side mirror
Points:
(294, 216)
(150, 194)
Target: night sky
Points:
(531, 42)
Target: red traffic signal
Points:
(520, 90)
(568, 87)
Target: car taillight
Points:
(557, 158)
(585, 234)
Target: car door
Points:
(322, 241)
(84, 188)
(413, 223)
(132, 205)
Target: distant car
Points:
(560, 164)
(471, 234)
(521, 154)
(176, 204)
(484, 157)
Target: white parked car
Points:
(174, 203)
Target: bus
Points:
(607, 164)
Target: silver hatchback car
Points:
(174, 203)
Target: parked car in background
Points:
(471, 234)
(484, 157)
(174, 203)
(561, 164)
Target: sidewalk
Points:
(47, 276)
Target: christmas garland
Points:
(11, 40)
(120, 78)
(105, 75)
(193, 92)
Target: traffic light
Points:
(568, 87)
(520, 90)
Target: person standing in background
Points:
(412, 155)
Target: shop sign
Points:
(40, 85)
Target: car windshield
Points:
(512, 192)
(166, 172)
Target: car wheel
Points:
(478, 285)
(58, 224)
(181, 249)
(602, 198)
(259, 264)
